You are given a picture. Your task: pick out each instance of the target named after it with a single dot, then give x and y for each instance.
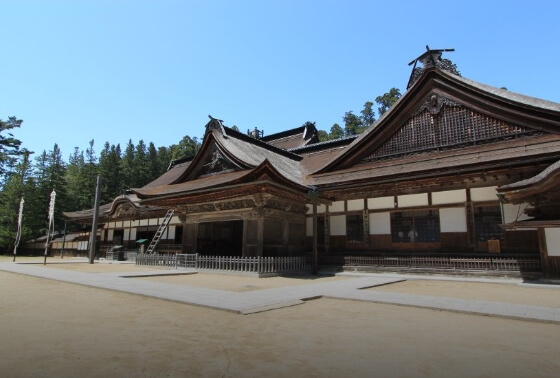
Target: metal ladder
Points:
(159, 232)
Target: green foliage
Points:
(74, 182)
(368, 114)
(387, 100)
(187, 147)
(353, 125)
(336, 132)
(323, 136)
(110, 170)
(16, 187)
(9, 146)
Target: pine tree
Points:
(127, 166)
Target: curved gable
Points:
(443, 111)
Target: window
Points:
(486, 222)
(354, 228)
(420, 226)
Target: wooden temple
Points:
(455, 166)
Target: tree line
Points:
(74, 180)
(34, 176)
(355, 124)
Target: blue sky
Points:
(114, 70)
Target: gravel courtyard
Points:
(56, 329)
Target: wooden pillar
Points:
(315, 256)
(244, 251)
(543, 252)
(260, 236)
(190, 234)
(286, 236)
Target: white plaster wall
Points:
(410, 200)
(381, 203)
(484, 194)
(118, 224)
(320, 209)
(132, 234)
(354, 205)
(338, 225)
(175, 220)
(143, 222)
(126, 234)
(337, 206)
(111, 225)
(514, 213)
(449, 196)
(102, 235)
(171, 232)
(309, 226)
(110, 235)
(552, 236)
(453, 219)
(134, 223)
(153, 222)
(380, 223)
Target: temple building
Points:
(453, 167)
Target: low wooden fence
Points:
(490, 263)
(226, 263)
(156, 259)
(253, 264)
(187, 260)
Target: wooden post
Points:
(260, 235)
(63, 241)
(93, 236)
(315, 256)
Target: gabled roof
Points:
(224, 150)
(124, 206)
(295, 138)
(228, 158)
(212, 183)
(543, 186)
(505, 113)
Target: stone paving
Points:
(269, 299)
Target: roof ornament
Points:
(431, 58)
(257, 134)
(215, 124)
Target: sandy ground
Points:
(55, 329)
(508, 293)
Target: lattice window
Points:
(354, 229)
(420, 226)
(487, 222)
(454, 126)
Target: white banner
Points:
(20, 218)
(51, 221)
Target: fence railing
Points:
(187, 260)
(156, 259)
(253, 264)
(490, 263)
(225, 263)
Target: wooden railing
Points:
(253, 264)
(156, 259)
(225, 263)
(488, 263)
